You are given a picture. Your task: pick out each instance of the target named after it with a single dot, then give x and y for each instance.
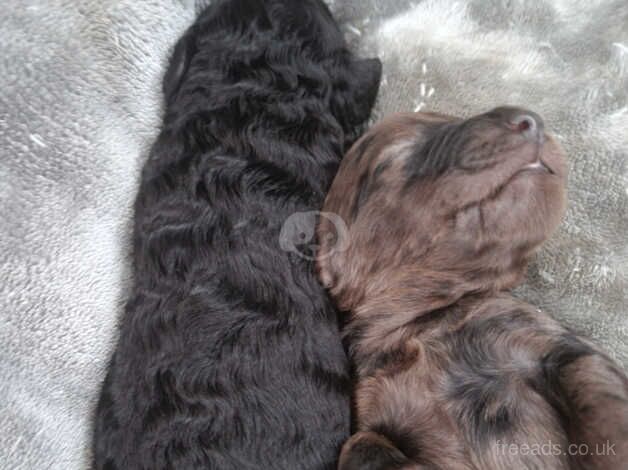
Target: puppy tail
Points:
(367, 450)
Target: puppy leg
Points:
(371, 451)
(595, 400)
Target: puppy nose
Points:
(529, 124)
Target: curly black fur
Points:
(229, 354)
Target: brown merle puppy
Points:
(453, 372)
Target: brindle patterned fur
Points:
(443, 216)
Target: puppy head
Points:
(294, 48)
(455, 205)
(355, 82)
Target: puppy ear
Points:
(323, 258)
(178, 66)
(355, 103)
(368, 73)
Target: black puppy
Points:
(229, 354)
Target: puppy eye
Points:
(479, 157)
(492, 115)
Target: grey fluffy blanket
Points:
(80, 104)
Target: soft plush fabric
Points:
(80, 103)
